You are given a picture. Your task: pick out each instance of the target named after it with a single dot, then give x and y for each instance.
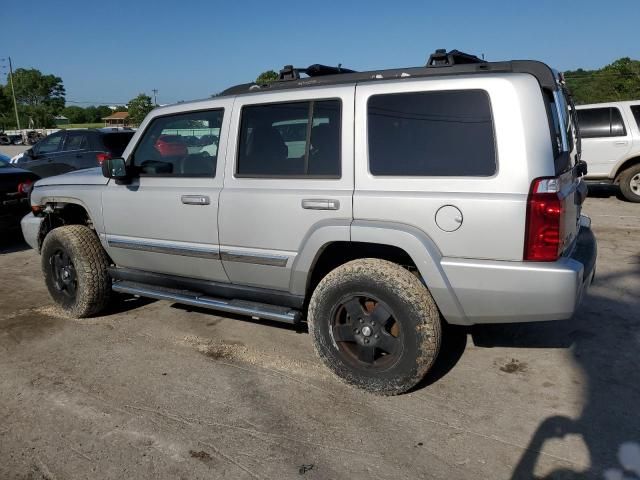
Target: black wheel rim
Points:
(63, 273)
(366, 332)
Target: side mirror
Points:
(115, 168)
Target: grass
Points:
(82, 125)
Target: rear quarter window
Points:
(445, 133)
(601, 122)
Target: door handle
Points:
(320, 204)
(195, 199)
(621, 142)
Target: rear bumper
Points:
(31, 230)
(509, 292)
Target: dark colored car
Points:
(15, 185)
(67, 150)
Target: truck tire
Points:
(75, 270)
(375, 325)
(630, 183)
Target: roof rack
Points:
(289, 72)
(440, 63)
(442, 58)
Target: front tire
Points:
(630, 183)
(375, 325)
(75, 270)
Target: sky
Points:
(107, 52)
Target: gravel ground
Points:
(156, 390)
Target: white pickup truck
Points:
(611, 144)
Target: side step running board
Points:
(241, 307)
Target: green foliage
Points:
(267, 77)
(75, 114)
(139, 107)
(617, 81)
(39, 96)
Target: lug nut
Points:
(366, 340)
(373, 324)
(360, 320)
(376, 336)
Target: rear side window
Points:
(295, 139)
(601, 122)
(635, 109)
(448, 133)
(115, 143)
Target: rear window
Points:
(601, 122)
(116, 142)
(445, 133)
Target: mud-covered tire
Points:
(376, 286)
(630, 183)
(75, 270)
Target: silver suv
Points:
(374, 205)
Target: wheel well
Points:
(628, 163)
(338, 253)
(59, 214)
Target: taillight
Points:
(25, 187)
(101, 157)
(544, 229)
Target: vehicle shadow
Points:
(12, 241)
(605, 191)
(122, 303)
(604, 337)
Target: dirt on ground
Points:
(157, 390)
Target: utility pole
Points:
(155, 92)
(15, 105)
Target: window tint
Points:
(49, 144)
(180, 145)
(300, 139)
(617, 124)
(600, 122)
(635, 109)
(115, 143)
(447, 133)
(76, 141)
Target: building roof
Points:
(117, 116)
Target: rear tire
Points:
(375, 325)
(630, 183)
(75, 270)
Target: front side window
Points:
(295, 139)
(49, 144)
(446, 133)
(601, 122)
(181, 145)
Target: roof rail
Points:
(289, 72)
(442, 58)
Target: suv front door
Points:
(166, 220)
(76, 152)
(289, 175)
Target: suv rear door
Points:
(289, 174)
(605, 139)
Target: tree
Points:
(139, 107)
(267, 77)
(617, 81)
(38, 96)
(75, 114)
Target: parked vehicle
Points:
(67, 150)
(611, 144)
(409, 197)
(15, 186)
